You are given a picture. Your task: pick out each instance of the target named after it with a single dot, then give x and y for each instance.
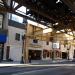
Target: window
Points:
(35, 41)
(17, 18)
(47, 43)
(17, 37)
(21, 10)
(51, 39)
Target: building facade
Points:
(37, 48)
(13, 46)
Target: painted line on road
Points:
(35, 71)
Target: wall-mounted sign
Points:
(55, 45)
(35, 46)
(3, 38)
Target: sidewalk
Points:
(49, 61)
(10, 62)
(41, 62)
(38, 63)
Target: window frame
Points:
(47, 42)
(35, 41)
(17, 36)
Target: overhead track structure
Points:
(45, 12)
(48, 11)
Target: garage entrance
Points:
(64, 55)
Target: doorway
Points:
(74, 54)
(35, 54)
(64, 55)
(7, 52)
(1, 51)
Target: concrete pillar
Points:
(5, 27)
(5, 22)
(42, 55)
(26, 45)
(25, 53)
(6, 16)
(61, 55)
(4, 55)
(53, 53)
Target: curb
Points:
(29, 65)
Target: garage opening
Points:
(35, 54)
(64, 55)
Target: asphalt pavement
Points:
(17, 70)
(50, 71)
(62, 70)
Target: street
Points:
(61, 70)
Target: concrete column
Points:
(26, 45)
(53, 34)
(5, 22)
(4, 55)
(42, 55)
(5, 27)
(54, 54)
(25, 53)
(61, 54)
(6, 16)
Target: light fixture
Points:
(62, 30)
(49, 25)
(36, 24)
(47, 30)
(58, 1)
(58, 32)
(74, 33)
(56, 23)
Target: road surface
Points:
(62, 70)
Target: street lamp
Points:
(23, 39)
